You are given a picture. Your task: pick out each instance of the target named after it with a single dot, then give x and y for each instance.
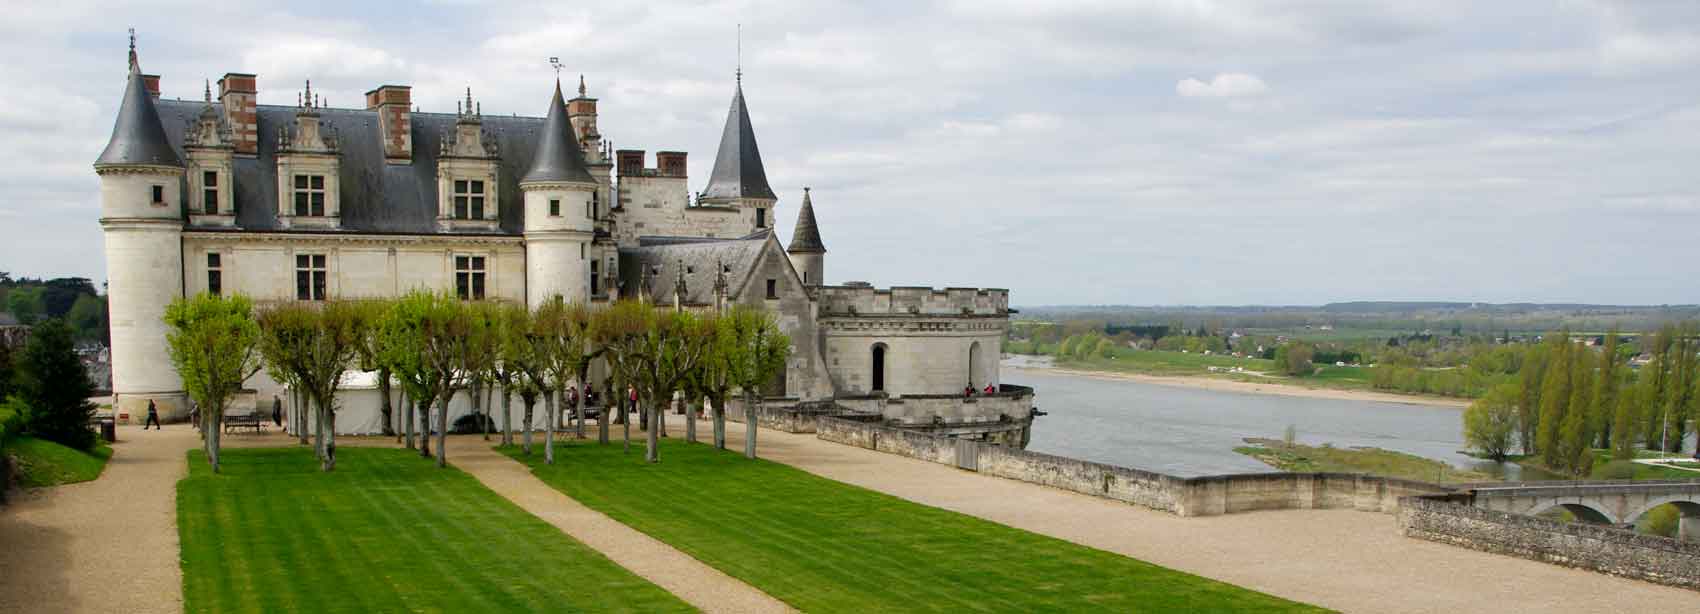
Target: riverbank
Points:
(1297, 457)
(1251, 387)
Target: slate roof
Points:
(137, 135)
(377, 197)
(558, 156)
(806, 237)
(738, 172)
(699, 257)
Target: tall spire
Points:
(738, 171)
(558, 156)
(806, 237)
(138, 138)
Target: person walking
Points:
(277, 410)
(153, 417)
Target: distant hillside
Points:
(1384, 315)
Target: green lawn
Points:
(44, 463)
(1374, 461)
(1155, 362)
(386, 531)
(826, 546)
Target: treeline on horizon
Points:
(71, 299)
(1404, 316)
(1570, 399)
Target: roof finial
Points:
(308, 96)
(468, 100)
(740, 71)
(581, 84)
(134, 65)
(208, 93)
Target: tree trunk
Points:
(549, 427)
(602, 423)
(443, 429)
(319, 430)
(386, 407)
(300, 414)
(626, 424)
(661, 409)
(690, 422)
(578, 402)
(652, 437)
(507, 417)
(330, 437)
(530, 402)
(749, 425)
(407, 419)
(475, 396)
(213, 444)
(485, 422)
(425, 428)
(643, 421)
(718, 406)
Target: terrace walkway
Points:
(1348, 560)
(109, 545)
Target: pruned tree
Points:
(214, 343)
(423, 330)
(370, 351)
(713, 378)
(564, 331)
(317, 346)
(671, 347)
(512, 351)
(480, 350)
(619, 330)
(759, 352)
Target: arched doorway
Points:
(975, 380)
(878, 374)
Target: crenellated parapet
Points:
(860, 299)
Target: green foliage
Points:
(88, 317)
(55, 385)
(1490, 423)
(42, 463)
(792, 535)
(8, 370)
(1373, 461)
(1615, 470)
(214, 344)
(26, 304)
(1295, 359)
(386, 532)
(1555, 398)
(313, 346)
(1664, 520)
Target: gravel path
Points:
(1347, 560)
(698, 584)
(109, 545)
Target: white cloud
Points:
(1225, 85)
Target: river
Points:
(1188, 432)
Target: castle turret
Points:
(558, 219)
(141, 209)
(808, 254)
(738, 179)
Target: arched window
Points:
(975, 380)
(879, 367)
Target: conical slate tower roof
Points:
(806, 237)
(137, 136)
(737, 167)
(558, 156)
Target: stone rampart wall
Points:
(1613, 551)
(1204, 496)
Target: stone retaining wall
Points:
(1204, 496)
(1607, 550)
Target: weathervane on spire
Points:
(556, 63)
(740, 71)
(132, 47)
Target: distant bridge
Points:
(1615, 503)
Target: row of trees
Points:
(71, 299)
(44, 387)
(1569, 399)
(434, 346)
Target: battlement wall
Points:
(860, 299)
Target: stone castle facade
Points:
(310, 203)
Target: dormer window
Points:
(209, 192)
(469, 200)
(310, 195)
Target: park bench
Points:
(243, 421)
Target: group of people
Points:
(968, 391)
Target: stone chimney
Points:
(394, 104)
(628, 162)
(237, 92)
(152, 81)
(670, 163)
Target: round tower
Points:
(142, 221)
(807, 253)
(558, 221)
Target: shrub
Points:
(55, 385)
(1616, 470)
(469, 424)
(1662, 520)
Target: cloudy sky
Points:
(1160, 152)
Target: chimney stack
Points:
(629, 162)
(394, 104)
(238, 93)
(152, 83)
(670, 163)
